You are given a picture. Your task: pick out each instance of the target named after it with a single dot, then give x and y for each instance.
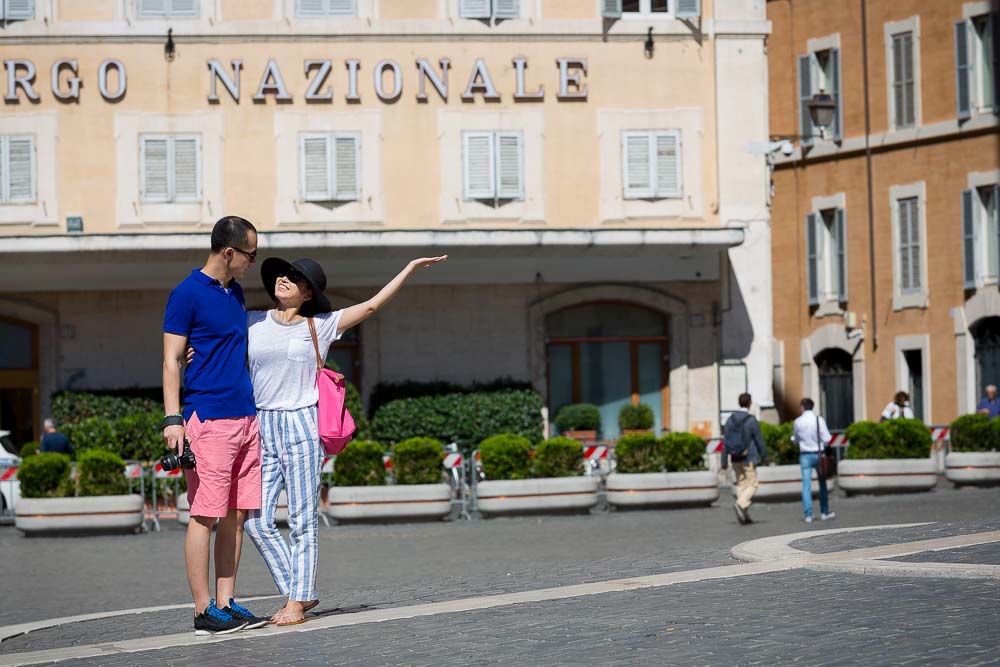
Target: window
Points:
(17, 10)
(836, 387)
(683, 9)
(493, 166)
(908, 248)
(651, 164)
(317, 8)
(489, 9)
(170, 168)
(976, 64)
(17, 169)
(172, 8)
(819, 72)
(903, 94)
(981, 236)
(329, 167)
(986, 333)
(914, 362)
(826, 252)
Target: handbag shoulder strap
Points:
(312, 332)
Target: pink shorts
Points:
(227, 471)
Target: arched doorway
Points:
(19, 380)
(608, 354)
(986, 333)
(836, 387)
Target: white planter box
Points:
(89, 514)
(534, 496)
(973, 468)
(663, 489)
(887, 475)
(398, 502)
(184, 509)
(781, 483)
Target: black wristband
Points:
(172, 420)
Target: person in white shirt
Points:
(812, 435)
(900, 407)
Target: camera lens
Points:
(170, 462)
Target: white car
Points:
(10, 490)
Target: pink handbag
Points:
(336, 425)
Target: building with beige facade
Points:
(885, 234)
(582, 162)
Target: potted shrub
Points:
(889, 457)
(579, 421)
(558, 484)
(661, 472)
(974, 451)
(360, 493)
(782, 479)
(633, 419)
(97, 501)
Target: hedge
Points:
(781, 450)
(558, 457)
(635, 417)
(682, 452)
(102, 473)
(45, 476)
(638, 453)
(506, 456)
(70, 407)
(893, 439)
(975, 433)
(417, 461)
(578, 417)
(29, 449)
(360, 464)
(466, 419)
(386, 392)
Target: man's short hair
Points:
(991, 386)
(807, 403)
(49, 423)
(901, 397)
(231, 231)
(744, 400)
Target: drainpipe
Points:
(868, 169)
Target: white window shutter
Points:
(963, 71)
(915, 258)
(21, 165)
(310, 8)
(152, 7)
(342, 8)
(668, 165)
(155, 184)
(637, 165)
(346, 155)
(835, 83)
(968, 240)
(840, 239)
(611, 9)
(478, 157)
(183, 8)
(805, 94)
(314, 165)
(510, 165)
(688, 9)
(19, 10)
(474, 9)
(812, 259)
(185, 153)
(506, 9)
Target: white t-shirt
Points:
(892, 411)
(283, 360)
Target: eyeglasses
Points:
(292, 275)
(252, 256)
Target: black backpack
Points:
(734, 436)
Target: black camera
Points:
(173, 461)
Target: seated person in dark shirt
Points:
(54, 441)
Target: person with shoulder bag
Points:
(812, 435)
(743, 444)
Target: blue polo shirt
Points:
(993, 406)
(214, 320)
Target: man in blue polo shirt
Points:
(990, 405)
(219, 419)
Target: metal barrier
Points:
(158, 474)
(10, 493)
(455, 464)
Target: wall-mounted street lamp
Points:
(822, 106)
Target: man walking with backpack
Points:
(743, 444)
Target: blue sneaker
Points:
(241, 613)
(215, 621)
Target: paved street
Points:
(739, 617)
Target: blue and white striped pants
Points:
(291, 459)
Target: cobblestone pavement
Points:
(984, 554)
(388, 566)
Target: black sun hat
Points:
(310, 270)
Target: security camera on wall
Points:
(787, 148)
